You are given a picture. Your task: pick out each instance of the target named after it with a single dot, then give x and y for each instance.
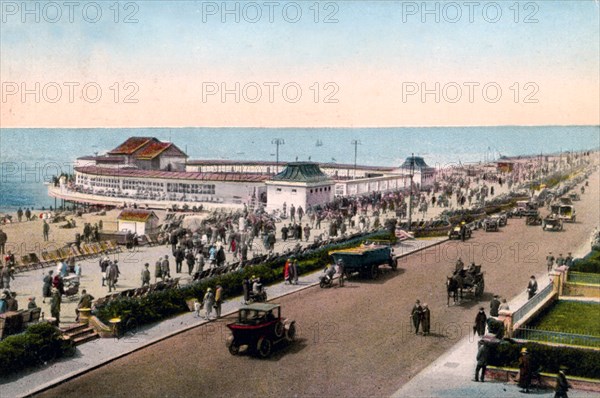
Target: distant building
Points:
(143, 153)
(423, 175)
(139, 222)
(299, 184)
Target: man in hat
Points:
(480, 322)
(11, 301)
(550, 261)
(165, 267)
(569, 260)
(112, 273)
(560, 260)
(532, 287)
(146, 275)
(494, 306)
(415, 314)
(482, 359)
(562, 385)
(524, 370)
(425, 319)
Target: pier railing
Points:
(543, 294)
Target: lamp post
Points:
(411, 175)
(356, 143)
(277, 142)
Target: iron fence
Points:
(584, 277)
(549, 336)
(532, 303)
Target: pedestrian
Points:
(550, 261)
(307, 232)
(78, 269)
(47, 286)
(158, 270)
(294, 271)
(416, 315)
(524, 370)
(562, 384)
(11, 302)
(341, 271)
(197, 308)
(504, 305)
(165, 268)
(3, 303)
(104, 263)
(286, 271)
(426, 319)
(20, 214)
(246, 289)
(179, 256)
(190, 261)
(560, 260)
(569, 260)
(218, 300)
(532, 287)
(5, 276)
(46, 231)
(111, 276)
(32, 304)
(480, 322)
(3, 240)
(146, 275)
(209, 302)
(55, 302)
(27, 214)
(84, 302)
(494, 306)
(482, 359)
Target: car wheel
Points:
(290, 332)
(234, 347)
(279, 329)
(263, 347)
(374, 271)
(394, 265)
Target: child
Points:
(197, 308)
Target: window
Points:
(293, 190)
(278, 189)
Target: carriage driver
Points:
(459, 266)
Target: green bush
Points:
(39, 344)
(589, 264)
(580, 362)
(163, 304)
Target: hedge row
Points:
(39, 344)
(589, 264)
(580, 362)
(163, 304)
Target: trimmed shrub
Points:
(39, 344)
(580, 362)
(163, 304)
(589, 264)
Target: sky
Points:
(299, 64)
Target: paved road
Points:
(354, 341)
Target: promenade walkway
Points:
(94, 354)
(451, 374)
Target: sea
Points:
(30, 157)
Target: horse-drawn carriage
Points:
(470, 281)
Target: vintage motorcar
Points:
(532, 217)
(522, 207)
(365, 259)
(502, 218)
(455, 232)
(574, 196)
(552, 223)
(259, 327)
(491, 224)
(565, 212)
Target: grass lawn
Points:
(570, 317)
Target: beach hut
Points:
(141, 222)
